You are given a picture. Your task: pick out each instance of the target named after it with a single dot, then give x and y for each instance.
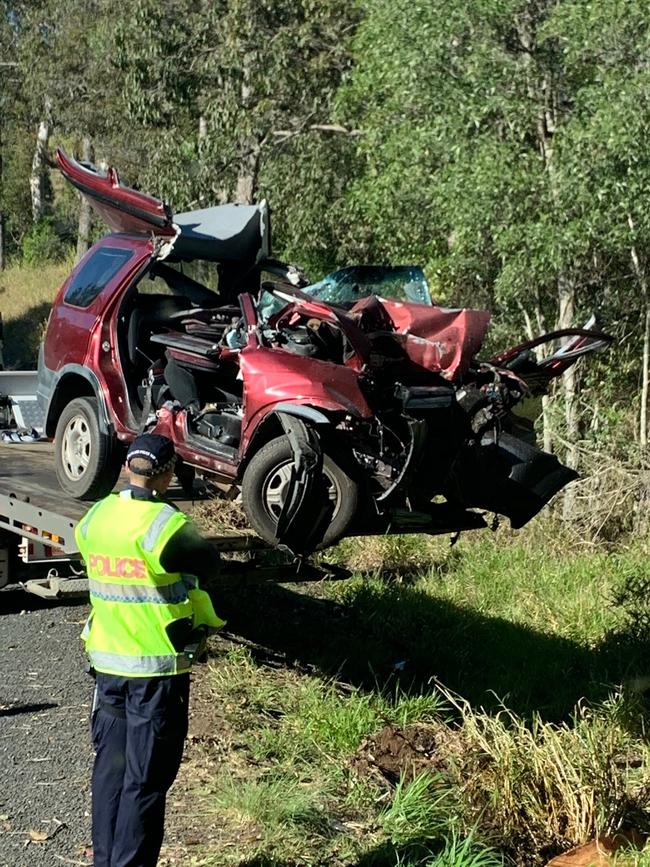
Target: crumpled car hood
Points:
(437, 339)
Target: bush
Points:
(43, 243)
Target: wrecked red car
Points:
(349, 406)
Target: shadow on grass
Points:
(22, 336)
(384, 855)
(405, 639)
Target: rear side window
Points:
(99, 270)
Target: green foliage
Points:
(465, 852)
(313, 720)
(500, 147)
(421, 809)
(14, 190)
(502, 617)
(274, 803)
(43, 243)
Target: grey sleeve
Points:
(187, 551)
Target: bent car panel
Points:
(273, 376)
(438, 339)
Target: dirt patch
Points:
(395, 753)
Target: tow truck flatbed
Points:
(40, 519)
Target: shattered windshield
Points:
(399, 283)
(348, 285)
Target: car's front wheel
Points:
(87, 461)
(265, 484)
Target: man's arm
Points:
(187, 551)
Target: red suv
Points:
(349, 405)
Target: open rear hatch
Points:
(122, 209)
(237, 235)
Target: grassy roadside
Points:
(445, 706)
(26, 295)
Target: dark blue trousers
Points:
(139, 727)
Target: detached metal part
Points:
(307, 509)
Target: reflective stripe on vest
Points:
(85, 522)
(158, 525)
(174, 593)
(191, 582)
(139, 665)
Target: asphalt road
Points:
(45, 754)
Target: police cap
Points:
(154, 449)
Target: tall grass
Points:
(522, 619)
(540, 788)
(503, 659)
(421, 809)
(26, 295)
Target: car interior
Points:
(173, 342)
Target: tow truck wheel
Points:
(87, 461)
(266, 479)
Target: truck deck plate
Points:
(27, 471)
(33, 506)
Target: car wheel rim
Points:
(276, 484)
(76, 448)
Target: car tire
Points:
(270, 468)
(87, 461)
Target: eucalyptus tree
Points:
(479, 120)
(233, 101)
(605, 167)
(10, 112)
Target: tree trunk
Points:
(566, 298)
(39, 167)
(546, 400)
(85, 212)
(645, 377)
(203, 130)
(546, 126)
(2, 216)
(248, 173)
(539, 353)
(640, 274)
(251, 145)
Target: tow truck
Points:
(37, 541)
(37, 520)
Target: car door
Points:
(82, 301)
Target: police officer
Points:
(143, 558)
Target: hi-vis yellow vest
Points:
(133, 599)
